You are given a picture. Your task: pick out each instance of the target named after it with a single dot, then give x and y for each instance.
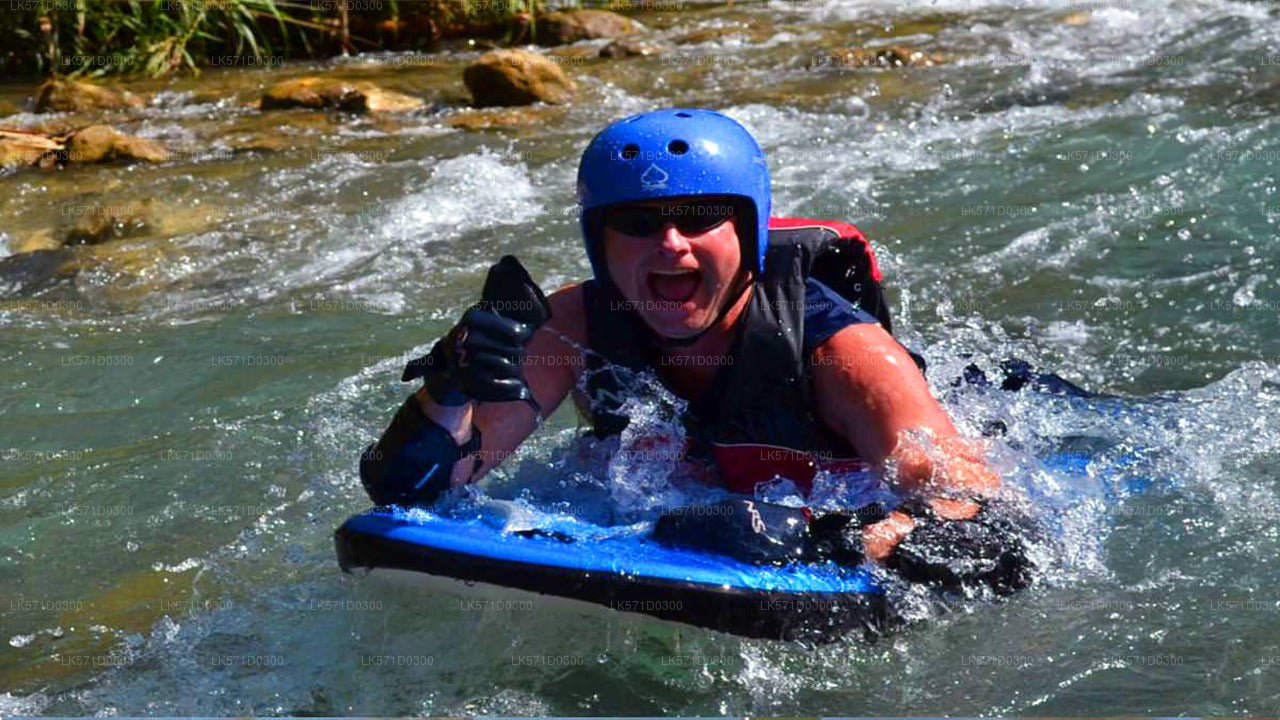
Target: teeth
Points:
(674, 272)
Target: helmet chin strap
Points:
(724, 310)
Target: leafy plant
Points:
(160, 37)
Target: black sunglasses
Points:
(691, 218)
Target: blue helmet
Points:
(667, 154)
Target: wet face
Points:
(678, 261)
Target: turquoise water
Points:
(1091, 187)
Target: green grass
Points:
(161, 37)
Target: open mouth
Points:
(676, 286)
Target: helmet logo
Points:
(654, 178)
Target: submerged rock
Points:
(573, 54)
(91, 223)
(492, 119)
(1080, 17)
(40, 240)
(102, 143)
(566, 26)
(103, 223)
(631, 46)
(1034, 98)
(26, 273)
(516, 77)
(698, 37)
(319, 93)
(893, 56)
(259, 143)
(63, 95)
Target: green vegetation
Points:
(159, 37)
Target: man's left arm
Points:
(868, 389)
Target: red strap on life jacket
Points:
(743, 466)
(843, 230)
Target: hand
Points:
(951, 509)
(950, 464)
(881, 538)
(987, 549)
(480, 358)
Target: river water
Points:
(1089, 186)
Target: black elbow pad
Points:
(412, 463)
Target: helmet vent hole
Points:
(677, 147)
(683, 115)
(629, 152)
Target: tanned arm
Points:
(551, 368)
(870, 391)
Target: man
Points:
(675, 217)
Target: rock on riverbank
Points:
(517, 77)
(91, 144)
(568, 26)
(63, 95)
(319, 93)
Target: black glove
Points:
(480, 358)
(762, 533)
(837, 536)
(747, 530)
(989, 550)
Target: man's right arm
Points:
(550, 368)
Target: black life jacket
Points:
(762, 395)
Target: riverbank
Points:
(176, 123)
(90, 38)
